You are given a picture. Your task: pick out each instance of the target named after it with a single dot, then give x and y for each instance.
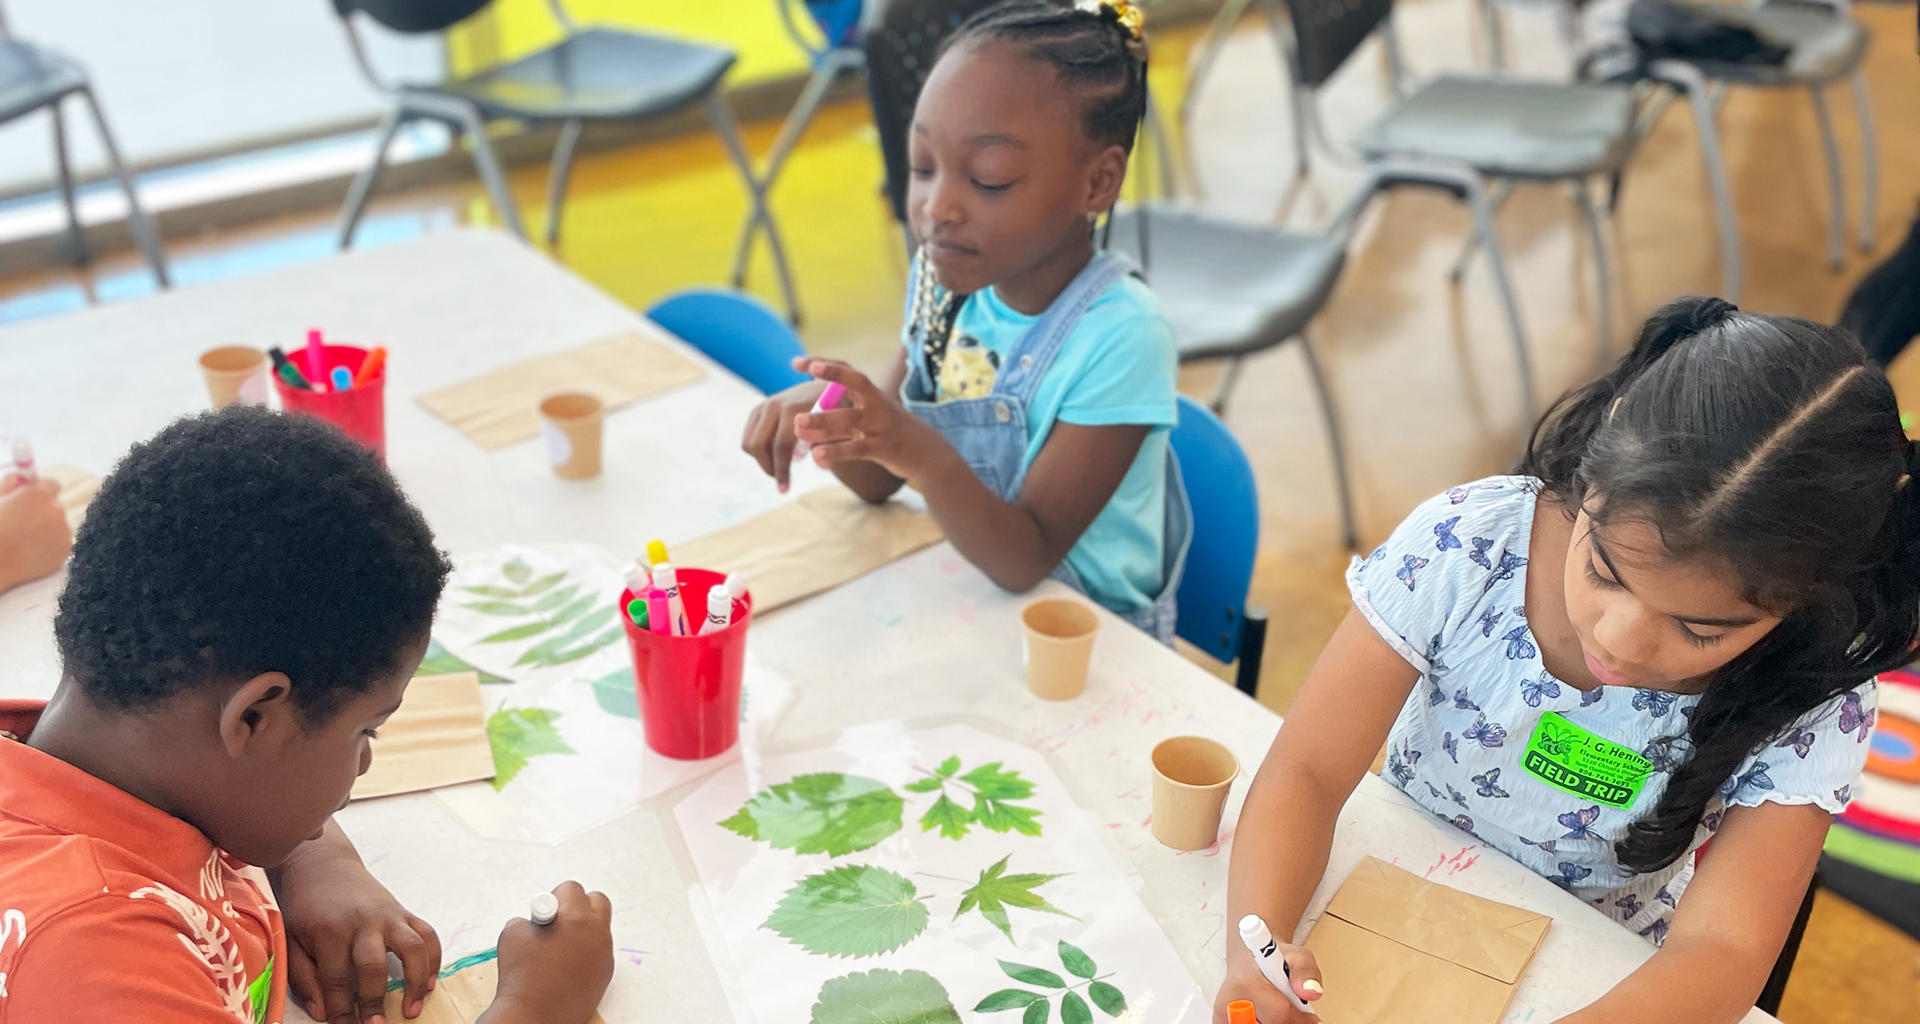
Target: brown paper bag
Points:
(77, 488)
(459, 998)
(1395, 948)
(437, 738)
(810, 545)
(502, 407)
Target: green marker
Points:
(287, 371)
(637, 611)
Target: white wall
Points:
(180, 76)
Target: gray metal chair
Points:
(593, 74)
(34, 78)
(1825, 44)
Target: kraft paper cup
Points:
(1057, 646)
(572, 422)
(1191, 777)
(235, 374)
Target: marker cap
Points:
(720, 602)
(663, 576)
(22, 452)
(656, 552)
(831, 398)
(1254, 932)
(1240, 1011)
(546, 907)
(737, 584)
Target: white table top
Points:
(928, 640)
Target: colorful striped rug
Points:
(1873, 850)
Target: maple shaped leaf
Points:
(884, 997)
(949, 817)
(996, 891)
(850, 911)
(993, 788)
(517, 734)
(825, 812)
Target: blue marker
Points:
(342, 379)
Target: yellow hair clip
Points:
(1131, 19)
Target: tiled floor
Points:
(1422, 370)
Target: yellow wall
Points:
(511, 28)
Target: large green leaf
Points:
(556, 598)
(1032, 975)
(615, 694)
(516, 571)
(1036, 1014)
(547, 651)
(499, 608)
(441, 662)
(518, 734)
(850, 911)
(1073, 1009)
(572, 611)
(826, 812)
(950, 818)
(1107, 998)
(611, 634)
(996, 891)
(520, 632)
(540, 585)
(1008, 999)
(884, 997)
(1076, 961)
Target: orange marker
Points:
(370, 366)
(1240, 1011)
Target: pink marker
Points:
(316, 360)
(23, 461)
(659, 619)
(831, 398)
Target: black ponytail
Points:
(1769, 443)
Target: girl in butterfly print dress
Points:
(1693, 593)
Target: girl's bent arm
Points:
(1337, 725)
(1730, 925)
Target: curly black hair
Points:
(239, 542)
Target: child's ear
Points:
(261, 708)
(1108, 172)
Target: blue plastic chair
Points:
(1226, 536)
(737, 331)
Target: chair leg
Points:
(1218, 403)
(362, 187)
(826, 71)
(490, 174)
(81, 257)
(557, 176)
(1253, 649)
(1603, 311)
(1694, 85)
(729, 132)
(1336, 444)
(1283, 45)
(1776, 987)
(1836, 186)
(136, 218)
(1497, 195)
(1496, 38)
(1476, 191)
(1205, 54)
(1869, 157)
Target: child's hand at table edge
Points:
(867, 427)
(1244, 981)
(556, 973)
(769, 436)
(34, 536)
(340, 924)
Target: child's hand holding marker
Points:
(1257, 967)
(769, 436)
(866, 427)
(555, 972)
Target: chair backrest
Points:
(1326, 32)
(412, 16)
(737, 331)
(839, 20)
(1226, 531)
(901, 50)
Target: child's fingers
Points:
(857, 384)
(757, 440)
(303, 981)
(333, 963)
(1304, 970)
(827, 427)
(370, 976)
(860, 449)
(780, 452)
(419, 960)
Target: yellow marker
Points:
(657, 552)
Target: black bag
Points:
(1664, 28)
(1884, 309)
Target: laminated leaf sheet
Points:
(1396, 948)
(825, 538)
(502, 407)
(437, 738)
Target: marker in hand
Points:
(1266, 953)
(23, 461)
(829, 399)
(546, 907)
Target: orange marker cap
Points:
(1240, 1011)
(370, 366)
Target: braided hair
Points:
(1099, 54)
(1772, 444)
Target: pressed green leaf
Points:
(1031, 975)
(996, 891)
(850, 911)
(548, 651)
(950, 818)
(1036, 1014)
(520, 632)
(1004, 817)
(572, 611)
(994, 784)
(540, 585)
(1073, 1009)
(884, 997)
(557, 598)
(517, 571)
(1078, 963)
(1007, 999)
(499, 608)
(615, 693)
(1107, 998)
(612, 633)
(538, 653)
(922, 786)
(947, 768)
(518, 734)
(440, 662)
(488, 591)
(825, 812)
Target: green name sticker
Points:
(259, 991)
(1565, 756)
